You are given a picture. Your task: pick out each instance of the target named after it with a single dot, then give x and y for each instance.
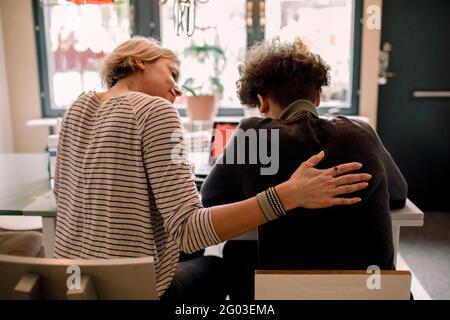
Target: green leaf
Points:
(190, 90)
(205, 54)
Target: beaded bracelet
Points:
(275, 202)
(270, 204)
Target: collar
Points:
(297, 106)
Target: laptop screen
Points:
(221, 134)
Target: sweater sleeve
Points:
(170, 177)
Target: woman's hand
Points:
(313, 188)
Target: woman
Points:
(119, 192)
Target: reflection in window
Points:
(220, 28)
(78, 38)
(326, 26)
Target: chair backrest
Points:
(332, 285)
(39, 278)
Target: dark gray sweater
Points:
(343, 237)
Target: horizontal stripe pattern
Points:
(118, 192)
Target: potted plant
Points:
(203, 85)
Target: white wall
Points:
(6, 141)
(370, 48)
(22, 75)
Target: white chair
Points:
(331, 285)
(41, 278)
(20, 223)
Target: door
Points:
(416, 130)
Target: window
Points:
(220, 29)
(73, 39)
(327, 27)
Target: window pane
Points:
(326, 26)
(78, 38)
(220, 25)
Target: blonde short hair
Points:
(122, 61)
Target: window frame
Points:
(146, 23)
(41, 50)
(356, 43)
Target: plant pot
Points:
(201, 107)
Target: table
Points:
(25, 190)
(25, 183)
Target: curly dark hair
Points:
(282, 71)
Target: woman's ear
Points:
(263, 104)
(140, 64)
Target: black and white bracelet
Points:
(270, 204)
(275, 202)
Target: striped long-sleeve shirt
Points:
(121, 186)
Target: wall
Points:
(6, 141)
(22, 75)
(370, 48)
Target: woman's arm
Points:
(308, 188)
(172, 185)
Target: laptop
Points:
(203, 162)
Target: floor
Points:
(426, 250)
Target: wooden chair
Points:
(331, 285)
(40, 278)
